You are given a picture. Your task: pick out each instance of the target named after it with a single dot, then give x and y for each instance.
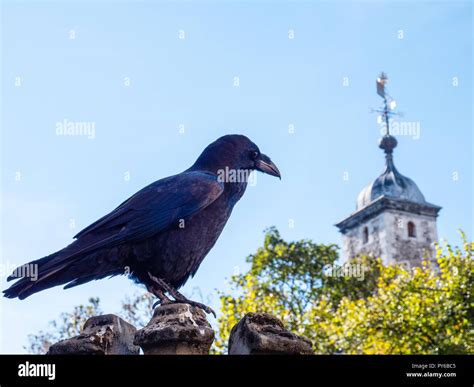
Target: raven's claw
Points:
(178, 297)
(205, 308)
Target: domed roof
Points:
(390, 183)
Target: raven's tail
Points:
(58, 269)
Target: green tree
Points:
(286, 279)
(426, 310)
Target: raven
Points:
(160, 235)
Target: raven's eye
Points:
(254, 155)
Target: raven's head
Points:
(235, 152)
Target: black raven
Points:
(160, 235)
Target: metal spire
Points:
(387, 142)
(382, 80)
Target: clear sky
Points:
(126, 70)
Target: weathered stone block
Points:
(176, 329)
(101, 335)
(261, 333)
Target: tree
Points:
(426, 310)
(388, 310)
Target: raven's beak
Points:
(265, 165)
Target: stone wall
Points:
(388, 238)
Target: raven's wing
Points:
(152, 210)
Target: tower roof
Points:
(390, 183)
(391, 190)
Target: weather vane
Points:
(389, 106)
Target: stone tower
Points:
(392, 218)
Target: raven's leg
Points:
(156, 291)
(178, 296)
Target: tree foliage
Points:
(389, 310)
(393, 310)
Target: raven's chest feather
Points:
(176, 254)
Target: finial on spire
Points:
(382, 80)
(387, 142)
(388, 102)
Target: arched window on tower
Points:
(365, 236)
(411, 230)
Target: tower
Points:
(392, 220)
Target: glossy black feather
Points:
(167, 228)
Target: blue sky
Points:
(127, 71)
